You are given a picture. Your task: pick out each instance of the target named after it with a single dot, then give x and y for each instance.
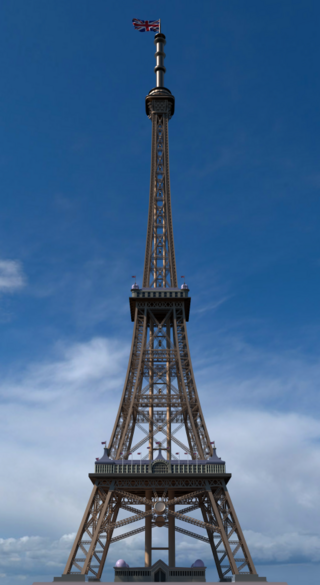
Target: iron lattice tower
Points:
(160, 397)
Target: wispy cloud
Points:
(212, 306)
(74, 369)
(229, 369)
(12, 277)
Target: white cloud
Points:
(11, 275)
(284, 548)
(52, 419)
(76, 367)
(274, 459)
(33, 555)
(230, 370)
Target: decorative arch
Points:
(161, 466)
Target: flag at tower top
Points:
(146, 25)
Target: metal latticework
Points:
(220, 522)
(160, 266)
(159, 399)
(160, 388)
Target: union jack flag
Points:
(146, 25)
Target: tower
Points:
(160, 398)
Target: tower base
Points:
(160, 572)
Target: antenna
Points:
(160, 41)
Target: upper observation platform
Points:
(160, 297)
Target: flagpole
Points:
(159, 25)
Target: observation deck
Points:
(160, 466)
(160, 298)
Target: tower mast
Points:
(160, 264)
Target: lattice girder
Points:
(160, 265)
(160, 375)
(212, 499)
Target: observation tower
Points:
(161, 490)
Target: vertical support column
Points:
(172, 534)
(168, 394)
(164, 226)
(148, 533)
(155, 206)
(169, 232)
(151, 345)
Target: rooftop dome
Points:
(184, 286)
(121, 563)
(198, 563)
(135, 286)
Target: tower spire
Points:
(160, 41)
(160, 263)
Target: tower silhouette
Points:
(160, 397)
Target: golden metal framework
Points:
(160, 397)
(110, 494)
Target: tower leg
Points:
(224, 537)
(151, 374)
(172, 534)
(96, 532)
(108, 540)
(212, 543)
(168, 344)
(81, 530)
(88, 543)
(239, 533)
(148, 533)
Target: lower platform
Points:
(160, 572)
(244, 579)
(182, 582)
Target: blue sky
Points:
(74, 184)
